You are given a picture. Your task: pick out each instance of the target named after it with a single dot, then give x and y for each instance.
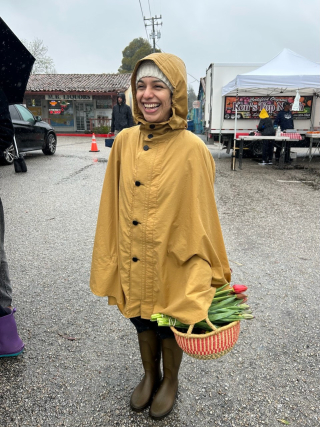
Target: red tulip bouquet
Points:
(228, 305)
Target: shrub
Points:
(101, 129)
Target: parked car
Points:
(31, 133)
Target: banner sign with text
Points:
(249, 107)
(68, 97)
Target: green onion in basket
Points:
(228, 305)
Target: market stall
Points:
(287, 73)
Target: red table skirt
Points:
(295, 136)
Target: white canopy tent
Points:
(288, 71)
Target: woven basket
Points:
(208, 346)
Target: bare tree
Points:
(43, 63)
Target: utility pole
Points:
(154, 34)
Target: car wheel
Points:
(257, 148)
(8, 155)
(51, 145)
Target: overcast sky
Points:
(88, 36)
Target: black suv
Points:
(31, 133)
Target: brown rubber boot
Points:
(164, 400)
(150, 350)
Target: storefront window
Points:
(104, 103)
(34, 105)
(61, 113)
(33, 102)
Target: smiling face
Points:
(154, 99)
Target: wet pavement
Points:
(81, 359)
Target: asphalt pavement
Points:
(81, 359)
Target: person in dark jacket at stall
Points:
(10, 342)
(121, 115)
(266, 128)
(284, 119)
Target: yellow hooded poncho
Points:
(158, 246)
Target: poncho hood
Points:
(263, 114)
(175, 71)
(123, 97)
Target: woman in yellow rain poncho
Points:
(158, 245)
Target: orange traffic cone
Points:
(94, 147)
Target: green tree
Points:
(137, 49)
(191, 97)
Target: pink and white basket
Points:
(208, 346)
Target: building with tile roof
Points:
(76, 102)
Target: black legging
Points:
(3, 311)
(267, 150)
(143, 325)
(162, 332)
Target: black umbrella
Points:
(15, 65)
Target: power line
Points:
(195, 79)
(143, 20)
(149, 8)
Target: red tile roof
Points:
(78, 82)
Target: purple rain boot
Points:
(10, 342)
